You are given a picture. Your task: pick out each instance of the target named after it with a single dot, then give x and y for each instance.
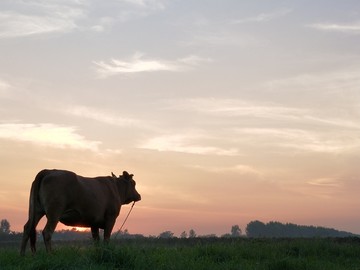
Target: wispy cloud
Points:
(47, 134)
(221, 38)
(4, 87)
(264, 17)
(353, 28)
(235, 108)
(27, 18)
(128, 10)
(324, 188)
(337, 91)
(103, 24)
(185, 143)
(241, 169)
(17, 25)
(50, 17)
(191, 61)
(138, 64)
(153, 4)
(325, 182)
(336, 81)
(135, 65)
(302, 140)
(272, 125)
(103, 116)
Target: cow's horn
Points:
(113, 175)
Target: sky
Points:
(225, 111)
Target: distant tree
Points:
(166, 234)
(235, 231)
(256, 229)
(212, 235)
(183, 235)
(125, 234)
(275, 229)
(4, 226)
(121, 233)
(192, 234)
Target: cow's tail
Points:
(35, 213)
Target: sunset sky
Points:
(225, 111)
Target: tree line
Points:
(254, 229)
(277, 229)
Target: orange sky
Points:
(178, 197)
(224, 113)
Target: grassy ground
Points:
(157, 254)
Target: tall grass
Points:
(267, 254)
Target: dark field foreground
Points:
(208, 253)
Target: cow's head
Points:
(127, 188)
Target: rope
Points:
(132, 206)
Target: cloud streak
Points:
(47, 134)
(4, 87)
(50, 17)
(326, 182)
(28, 18)
(265, 17)
(103, 116)
(138, 64)
(18, 25)
(235, 108)
(302, 140)
(230, 108)
(270, 125)
(152, 4)
(353, 28)
(185, 143)
(333, 81)
(240, 169)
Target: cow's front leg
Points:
(109, 224)
(95, 234)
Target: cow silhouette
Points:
(74, 200)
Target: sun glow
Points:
(81, 229)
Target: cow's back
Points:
(57, 185)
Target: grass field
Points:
(211, 253)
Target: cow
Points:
(74, 200)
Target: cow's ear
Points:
(125, 174)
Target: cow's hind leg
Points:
(95, 234)
(30, 232)
(38, 216)
(25, 238)
(48, 231)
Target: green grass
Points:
(267, 254)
